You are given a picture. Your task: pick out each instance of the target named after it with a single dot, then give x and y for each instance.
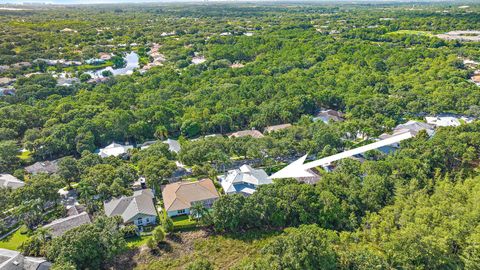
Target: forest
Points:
(207, 70)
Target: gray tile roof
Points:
(43, 167)
(128, 207)
(60, 226)
(10, 181)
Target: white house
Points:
(244, 180)
(173, 145)
(114, 149)
(137, 209)
(10, 181)
(448, 120)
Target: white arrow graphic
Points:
(298, 169)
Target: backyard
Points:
(14, 240)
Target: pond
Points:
(132, 62)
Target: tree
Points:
(161, 133)
(8, 156)
(88, 246)
(35, 245)
(85, 77)
(306, 247)
(158, 235)
(68, 170)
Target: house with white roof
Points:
(137, 209)
(447, 120)
(244, 180)
(173, 145)
(114, 149)
(10, 181)
(412, 126)
(14, 260)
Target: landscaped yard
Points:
(183, 222)
(14, 240)
(137, 241)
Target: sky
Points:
(150, 1)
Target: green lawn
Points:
(14, 240)
(183, 222)
(25, 155)
(137, 241)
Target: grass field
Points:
(183, 222)
(138, 241)
(223, 251)
(14, 240)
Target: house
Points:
(276, 128)
(6, 81)
(411, 126)
(140, 184)
(447, 120)
(114, 149)
(179, 197)
(329, 115)
(49, 167)
(138, 209)
(10, 181)
(14, 260)
(173, 145)
(312, 180)
(147, 144)
(244, 180)
(60, 226)
(105, 56)
(244, 133)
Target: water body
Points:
(132, 61)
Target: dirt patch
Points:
(176, 245)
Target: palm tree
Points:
(197, 211)
(161, 132)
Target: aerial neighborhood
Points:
(204, 136)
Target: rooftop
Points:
(10, 181)
(128, 207)
(181, 195)
(253, 133)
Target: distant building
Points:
(10, 181)
(244, 180)
(60, 226)
(173, 145)
(138, 209)
(179, 197)
(49, 167)
(329, 115)
(312, 180)
(244, 133)
(6, 81)
(14, 260)
(411, 126)
(276, 128)
(114, 149)
(147, 144)
(448, 120)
